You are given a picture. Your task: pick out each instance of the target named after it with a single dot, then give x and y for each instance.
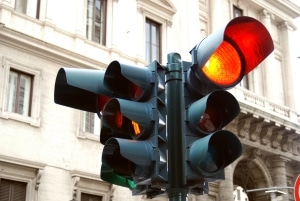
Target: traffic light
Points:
(218, 62)
(133, 128)
(81, 89)
(130, 101)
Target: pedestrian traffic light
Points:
(218, 62)
(133, 128)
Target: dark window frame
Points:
(149, 43)
(91, 28)
(18, 91)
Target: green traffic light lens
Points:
(211, 119)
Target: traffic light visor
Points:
(212, 112)
(129, 82)
(224, 57)
(214, 152)
(81, 89)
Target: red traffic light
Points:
(223, 58)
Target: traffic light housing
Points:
(81, 89)
(133, 128)
(219, 62)
(131, 103)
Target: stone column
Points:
(271, 71)
(289, 64)
(220, 14)
(226, 186)
(278, 172)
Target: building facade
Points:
(49, 152)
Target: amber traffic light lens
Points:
(224, 67)
(211, 119)
(136, 128)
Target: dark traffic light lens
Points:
(136, 92)
(224, 67)
(213, 160)
(211, 119)
(102, 100)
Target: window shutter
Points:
(12, 190)
(19, 191)
(4, 190)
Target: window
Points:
(152, 41)
(31, 8)
(91, 123)
(19, 93)
(237, 12)
(19, 179)
(96, 20)
(21, 6)
(89, 197)
(89, 187)
(12, 190)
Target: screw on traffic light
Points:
(218, 62)
(133, 128)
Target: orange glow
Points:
(211, 119)
(136, 92)
(119, 119)
(136, 128)
(224, 67)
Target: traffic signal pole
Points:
(177, 188)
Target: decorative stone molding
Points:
(75, 180)
(38, 178)
(287, 25)
(266, 14)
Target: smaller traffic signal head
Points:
(133, 127)
(81, 89)
(222, 59)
